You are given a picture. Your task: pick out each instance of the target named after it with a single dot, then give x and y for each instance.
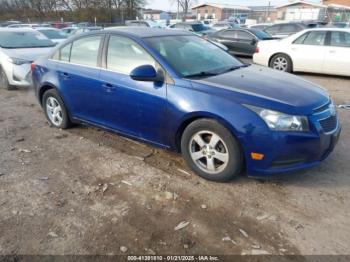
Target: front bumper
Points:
(291, 151)
(18, 75)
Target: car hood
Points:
(29, 54)
(268, 88)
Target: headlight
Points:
(19, 61)
(278, 121)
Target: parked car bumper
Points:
(289, 152)
(18, 75)
(261, 59)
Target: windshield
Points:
(24, 40)
(53, 34)
(192, 55)
(199, 27)
(261, 34)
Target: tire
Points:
(211, 151)
(55, 110)
(282, 62)
(4, 83)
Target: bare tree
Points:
(74, 10)
(184, 5)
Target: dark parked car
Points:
(286, 29)
(225, 25)
(144, 23)
(241, 41)
(178, 91)
(195, 27)
(260, 26)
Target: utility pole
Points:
(178, 10)
(268, 11)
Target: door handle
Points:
(332, 51)
(65, 75)
(109, 87)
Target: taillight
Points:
(257, 50)
(32, 67)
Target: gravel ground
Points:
(86, 191)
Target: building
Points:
(301, 10)
(219, 11)
(329, 11)
(152, 14)
(263, 14)
(337, 2)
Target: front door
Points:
(134, 107)
(337, 60)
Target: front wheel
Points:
(211, 150)
(282, 62)
(4, 83)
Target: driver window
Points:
(124, 55)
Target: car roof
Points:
(46, 28)
(146, 32)
(189, 23)
(20, 29)
(330, 29)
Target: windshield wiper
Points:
(233, 68)
(201, 74)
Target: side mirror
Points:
(145, 73)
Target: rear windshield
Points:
(261, 34)
(24, 40)
(53, 34)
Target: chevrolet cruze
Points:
(178, 91)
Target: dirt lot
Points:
(86, 191)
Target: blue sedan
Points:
(178, 91)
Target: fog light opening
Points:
(257, 156)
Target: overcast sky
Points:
(165, 4)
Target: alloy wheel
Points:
(3, 79)
(209, 152)
(280, 63)
(54, 111)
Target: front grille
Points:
(322, 108)
(329, 124)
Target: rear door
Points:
(337, 57)
(246, 42)
(229, 39)
(308, 52)
(79, 74)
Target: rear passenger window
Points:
(245, 35)
(288, 29)
(85, 51)
(341, 39)
(124, 55)
(315, 38)
(301, 39)
(273, 29)
(228, 34)
(62, 54)
(65, 53)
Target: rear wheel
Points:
(211, 150)
(55, 110)
(281, 62)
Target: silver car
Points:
(18, 49)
